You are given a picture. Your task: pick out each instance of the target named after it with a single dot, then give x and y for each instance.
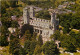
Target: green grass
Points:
(77, 53)
(23, 5)
(22, 41)
(5, 50)
(76, 31)
(69, 54)
(64, 54)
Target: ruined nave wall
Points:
(40, 22)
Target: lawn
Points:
(4, 50)
(70, 54)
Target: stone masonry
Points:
(41, 26)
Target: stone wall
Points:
(40, 22)
(41, 26)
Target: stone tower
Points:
(26, 15)
(53, 20)
(32, 13)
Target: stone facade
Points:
(41, 26)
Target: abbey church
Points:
(41, 26)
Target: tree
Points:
(17, 32)
(37, 50)
(34, 36)
(43, 14)
(26, 27)
(76, 37)
(32, 47)
(3, 37)
(6, 22)
(12, 37)
(14, 24)
(70, 21)
(27, 35)
(15, 46)
(39, 40)
(22, 51)
(4, 5)
(3, 41)
(68, 42)
(3, 30)
(49, 48)
(72, 0)
(71, 48)
(56, 35)
(13, 3)
(66, 30)
(29, 47)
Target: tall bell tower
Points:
(26, 15)
(53, 20)
(32, 13)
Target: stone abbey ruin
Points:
(41, 26)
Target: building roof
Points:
(13, 17)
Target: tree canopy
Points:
(49, 48)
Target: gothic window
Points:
(35, 30)
(40, 31)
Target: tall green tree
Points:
(76, 36)
(3, 37)
(14, 46)
(68, 42)
(22, 51)
(56, 35)
(3, 40)
(29, 46)
(14, 24)
(39, 40)
(27, 35)
(26, 27)
(13, 3)
(49, 48)
(37, 50)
